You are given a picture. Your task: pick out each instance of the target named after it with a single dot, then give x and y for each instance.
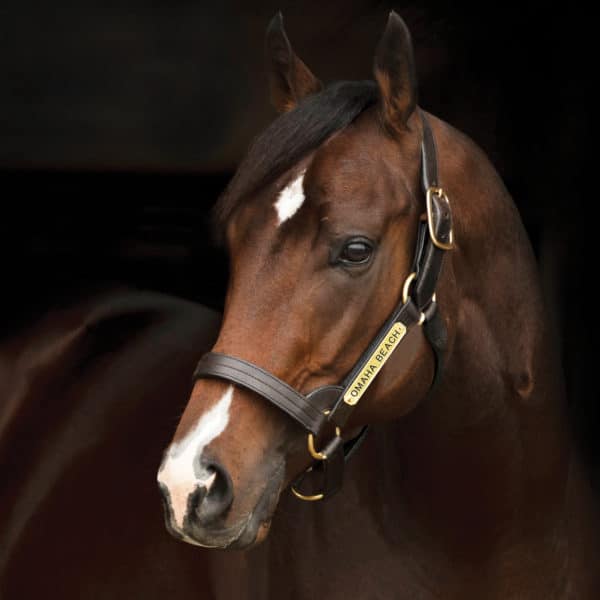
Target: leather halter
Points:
(332, 405)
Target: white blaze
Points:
(290, 199)
(177, 472)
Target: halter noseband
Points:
(332, 405)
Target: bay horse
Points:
(468, 485)
(90, 387)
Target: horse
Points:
(90, 389)
(468, 484)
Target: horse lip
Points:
(242, 534)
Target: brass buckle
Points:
(439, 192)
(317, 455)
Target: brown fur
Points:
(89, 394)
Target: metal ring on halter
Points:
(406, 292)
(406, 287)
(307, 497)
(312, 498)
(311, 446)
(317, 456)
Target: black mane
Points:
(292, 135)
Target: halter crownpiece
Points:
(332, 405)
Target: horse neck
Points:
(488, 451)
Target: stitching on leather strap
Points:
(288, 399)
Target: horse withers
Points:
(468, 485)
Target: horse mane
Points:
(291, 136)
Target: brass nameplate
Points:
(363, 380)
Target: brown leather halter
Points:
(333, 404)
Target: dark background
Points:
(120, 123)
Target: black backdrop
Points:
(120, 122)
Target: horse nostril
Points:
(213, 496)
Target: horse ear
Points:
(290, 79)
(395, 74)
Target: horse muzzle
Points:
(203, 512)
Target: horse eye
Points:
(356, 252)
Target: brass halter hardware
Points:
(307, 498)
(311, 446)
(440, 193)
(406, 287)
(317, 456)
(406, 293)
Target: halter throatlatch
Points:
(331, 405)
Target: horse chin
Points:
(249, 533)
